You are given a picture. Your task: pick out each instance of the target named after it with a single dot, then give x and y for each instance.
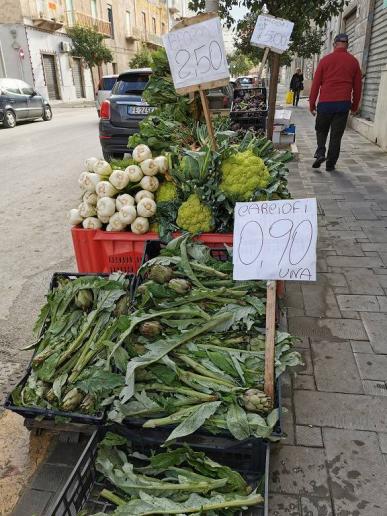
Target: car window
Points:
(12, 89)
(27, 90)
(107, 83)
(131, 84)
(10, 86)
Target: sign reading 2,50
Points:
(202, 59)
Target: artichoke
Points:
(84, 299)
(160, 274)
(71, 401)
(122, 306)
(181, 286)
(256, 401)
(150, 329)
(50, 396)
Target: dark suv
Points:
(122, 112)
(20, 102)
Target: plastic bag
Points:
(289, 97)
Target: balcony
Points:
(135, 34)
(85, 20)
(49, 17)
(153, 39)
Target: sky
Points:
(238, 12)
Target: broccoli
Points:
(166, 192)
(242, 174)
(194, 216)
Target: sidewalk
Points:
(334, 459)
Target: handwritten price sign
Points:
(197, 55)
(273, 33)
(275, 240)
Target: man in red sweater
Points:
(338, 84)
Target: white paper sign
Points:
(196, 54)
(273, 33)
(275, 240)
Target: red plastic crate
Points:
(108, 251)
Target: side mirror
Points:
(33, 94)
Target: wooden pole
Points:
(207, 115)
(270, 340)
(263, 62)
(274, 73)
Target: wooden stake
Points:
(270, 340)
(274, 73)
(263, 62)
(207, 115)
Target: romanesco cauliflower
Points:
(194, 216)
(167, 192)
(242, 174)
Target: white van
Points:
(104, 90)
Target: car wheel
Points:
(9, 119)
(108, 156)
(47, 113)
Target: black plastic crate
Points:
(52, 414)
(83, 487)
(152, 250)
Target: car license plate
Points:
(139, 110)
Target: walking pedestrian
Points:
(338, 84)
(297, 85)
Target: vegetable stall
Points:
(175, 365)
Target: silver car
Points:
(104, 90)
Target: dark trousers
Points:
(336, 123)
(296, 97)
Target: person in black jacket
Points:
(297, 85)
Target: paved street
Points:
(333, 461)
(39, 166)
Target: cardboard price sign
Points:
(273, 33)
(196, 55)
(275, 240)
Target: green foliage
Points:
(89, 45)
(142, 59)
(239, 63)
(309, 16)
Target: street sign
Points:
(275, 240)
(273, 33)
(196, 54)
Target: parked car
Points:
(19, 102)
(122, 112)
(246, 81)
(104, 90)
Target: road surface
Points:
(39, 167)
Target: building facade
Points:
(365, 22)
(34, 45)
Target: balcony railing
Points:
(49, 17)
(135, 34)
(85, 20)
(154, 39)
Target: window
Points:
(162, 28)
(10, 86)
(107, 83)
(131, 84)
(154, 25)
(93, 6)
(143, 17)
(26, 89)
(114, 65)
(128, 23)
(110, 18)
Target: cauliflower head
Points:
(194, 216)
(242, 174)
(166, 192)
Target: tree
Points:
(88, 44)
(142, 59)
(309, 17)
(239, 63)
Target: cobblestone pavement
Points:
(333, 461)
